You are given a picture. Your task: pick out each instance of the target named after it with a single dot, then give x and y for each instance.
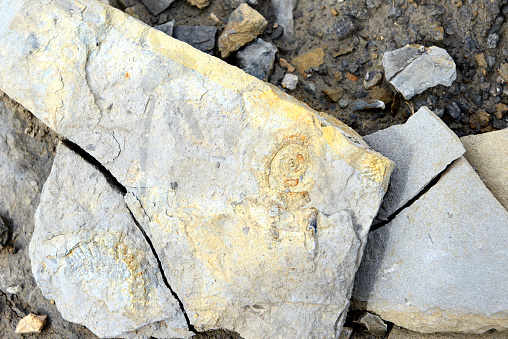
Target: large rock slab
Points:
(257, 206)
(89, 256)
(440, 265)
(413, 69)
(421, 148)
(488, 154)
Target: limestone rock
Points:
(32, 323)
(257, 58)
(257, 206)
(283, 11)
(90, 258)
(421, 148)
(488, 154)
(199, 3)
(413, 69)
(290, 81)
(166, 27)
(157, 6)
(200, 37)
(244, 25)
(402, 333)
(440, 265)
(373, 323)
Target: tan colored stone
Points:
(244, 25)
(501, 110)
(402, 333)
(480, 60)
(200, 3)
(488, 154)
(479, 119)
(379, 93)
(333, 94)
(286, 65)
(32, 323)
(311, 59)
(503, 71)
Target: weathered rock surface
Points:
(440, 265)
(244, 25)
(421, 148)
(413, 69)
(257, 206)
(199, 3)
(257, 58)
(488, 154)
(373, 323)
(157, 6)
(200, 37)
(4, 234)
(314, 58)
(166, 27)
(283, 11)
(32, 323)
(89, 256)
(290, 81)
(402, 333)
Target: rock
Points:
(157, 6)
(14, 289)
(440, 265)
(286, 65)
(311, 59)
(346, 333)
(283, 12)
(344, 27)
(479, 119)
(367, 104)
(488, 154)
(200, 37)
(492, 40)
(421, 149)
(379, 93)
(454, 110)
(199, 3)
(310, 88)
(343, 103)
(413, 69)
(503, 71)
(334, 94)
(373, 323)
(32, 323)
(139, 12)
(233, 181)
(501, 110)
(290, 81)
(4, 234)
(394, 13)
(480, 60)
(372, 81)
(167, 27)
(402, 333)
(87, 251)
(244, 25)
(354, 8)
(257, 58)
(277, 33)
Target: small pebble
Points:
(14, 289)
(343, 103)
(492, 40)
(394, 12)
(362, 104)
(310, 88)
(289, 81)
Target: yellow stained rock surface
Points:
(32, 323)
(313, 58)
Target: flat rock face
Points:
(257, 206)
(413, 69)
(488, 154)
(89, 256)
(257, 58)
(421, 148)
(440, 265)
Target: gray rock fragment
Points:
(200, 37)
(257, 58)
(166, 27)
(440, 265)
(413, 69)
(421, 149)
(157, 6)
(346, 333)
(373, 323)
(4, 234)
(368, 104)
(89, 256)
(283, 11)
(344, 27)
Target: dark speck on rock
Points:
(174, 185)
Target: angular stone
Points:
(402, 333)
(4, 234)
(413, 69)
(244, 25)
(421, 149)
(283, 11)
(200, 37)
(440, 265)
(488, 154)
(503, 71)
(308, 60)
(167, 27)
(257, 206)
(290, 81)
(257, 58)
(89, 256)
(199, 3)
(368, 104)
(32, 323)
(157, 6)
(373, 323)
(344, 27)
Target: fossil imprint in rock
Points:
(257, 206)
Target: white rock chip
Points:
(290, 81)
(421, 148)
(258, 207)
(440, 265)
(413, 69)
(89, 256)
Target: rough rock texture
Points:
(310, 59)
(26, 156)
(413, 69)
(4, 234)
(89, 256)
(421, 149)
(32, 323)
(157, 6)
(373, 323)
(283, 11)
(440, 265)
(290, 81)
(244, 25)
(200, 37)
(257, 206)
(257, 58)
(402, 333)
(488, 154)
(199, 3)
(166, 27)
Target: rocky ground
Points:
(336, 51)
